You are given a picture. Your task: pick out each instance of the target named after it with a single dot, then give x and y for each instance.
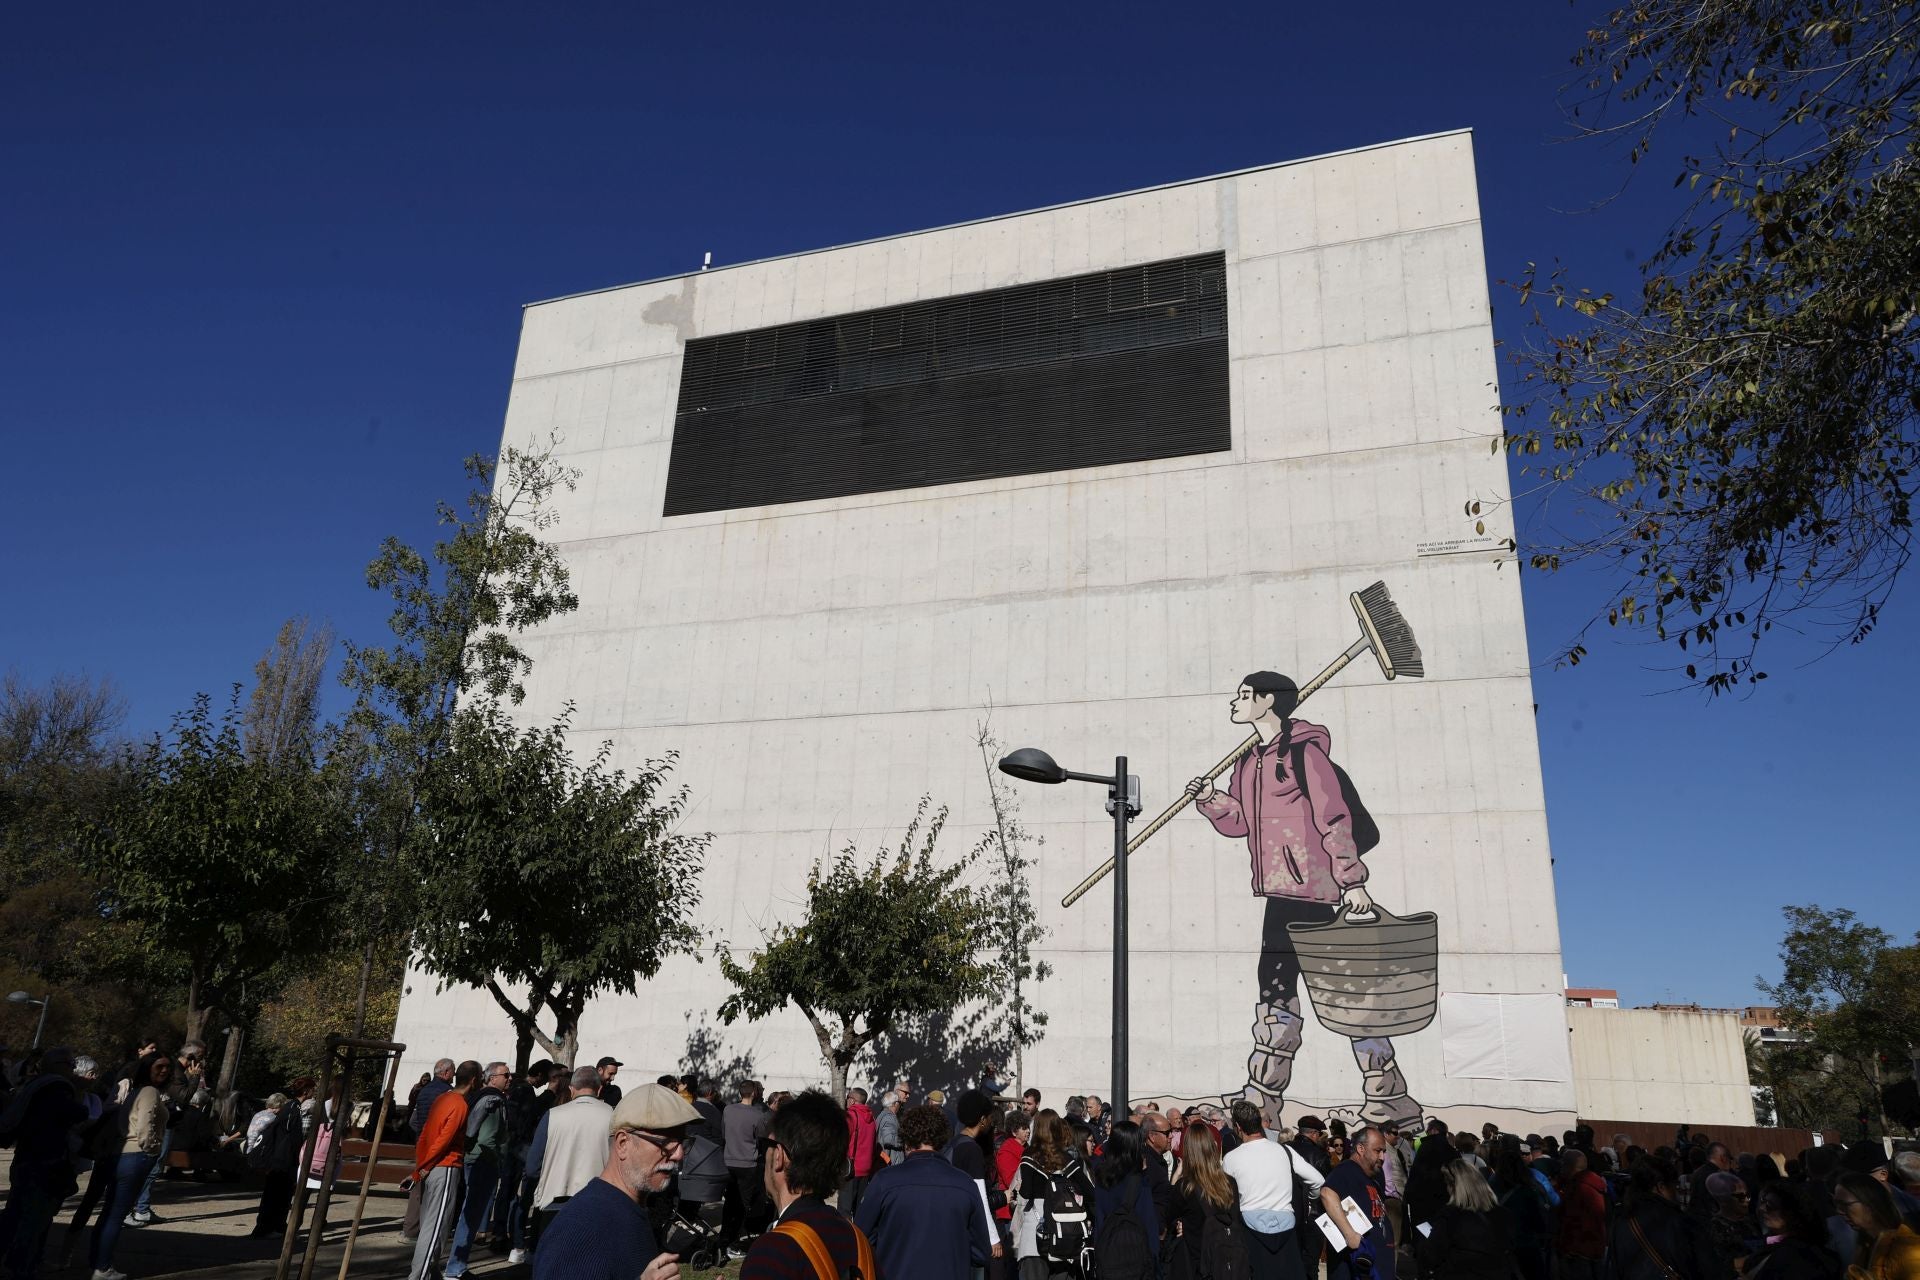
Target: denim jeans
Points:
(33, 1198)
(128, 1175)
(507, 1198)
(482, 1175)
(145, 1203)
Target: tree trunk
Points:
(360, 1003)
(197, 1014)
(230, 1061)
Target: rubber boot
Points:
(1276, 1038)
(1386, 1088)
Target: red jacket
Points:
(443, 1137)
(1583, 1216)
(860, 1139)
(1006, 1161)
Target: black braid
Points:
(1286, 741)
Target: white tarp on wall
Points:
(1505, 1037)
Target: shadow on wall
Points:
(706, 1055)
(943, 1051)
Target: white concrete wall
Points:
(822, 665)
(1661, 1065)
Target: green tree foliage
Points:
(227, 861)
(455, 614)
(59, 770)
(549, 877)
(1851, 1000)
(881, 940)
(1737, 443)
(316, 1000)
(57, 765)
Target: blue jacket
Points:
(925, 1220)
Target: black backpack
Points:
(1121, 1249)
(1223, 1245)
(1366, 832)
(1066, 1223)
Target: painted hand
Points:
(1201, 789)
(1357, 901)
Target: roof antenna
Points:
(706, 261)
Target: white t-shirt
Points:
(1264, 1170)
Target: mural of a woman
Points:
(1306, 837)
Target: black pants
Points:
(1279, 962)
(747, 1203)
(98, 1184)
(850, 1192)
(1276, 1257)
(276, 1199)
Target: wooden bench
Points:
(394, 1162)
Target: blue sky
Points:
(262, 286)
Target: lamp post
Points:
(21, 997)
(1030, 764)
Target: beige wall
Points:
(1660, 1065)
(822, 665)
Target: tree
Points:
(1738, 442)
(56, 765)
(562, 879)
(1015, 926)
(895, 937)
(454, 618)
(225, 859)
(283, 712)
(1847, 996)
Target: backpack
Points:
(1121, 1249)
(1366, 832)
(1065, 1220)
(1223, 1245)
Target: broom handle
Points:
(1168, 814)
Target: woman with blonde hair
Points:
(1471, 1238)
(1202, 1190)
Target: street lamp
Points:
(21, 997)
(1030, 764)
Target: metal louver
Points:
(1084, 371)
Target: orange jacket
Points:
(443, 1138)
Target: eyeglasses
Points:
(664, 1143)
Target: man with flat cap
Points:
(602, 1233)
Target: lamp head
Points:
(1031, 764)
(19, 997)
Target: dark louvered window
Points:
(1085, 371)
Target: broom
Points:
(1383, 632)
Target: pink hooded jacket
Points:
(1302, 842)
(860, 1138)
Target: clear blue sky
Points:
(262, 285)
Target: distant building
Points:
(1592, 998)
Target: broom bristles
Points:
(1402, 656)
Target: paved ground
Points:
(203, 1236)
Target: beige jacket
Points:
(579, 1134)
(146, 1123)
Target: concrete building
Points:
(1666, 1064)
(1072, 474)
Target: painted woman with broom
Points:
(1292, 806)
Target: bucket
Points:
(1377, 976)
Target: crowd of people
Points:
(566, 1169)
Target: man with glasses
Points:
(1734, 1232)
(603, 1233)
(806, 1160)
